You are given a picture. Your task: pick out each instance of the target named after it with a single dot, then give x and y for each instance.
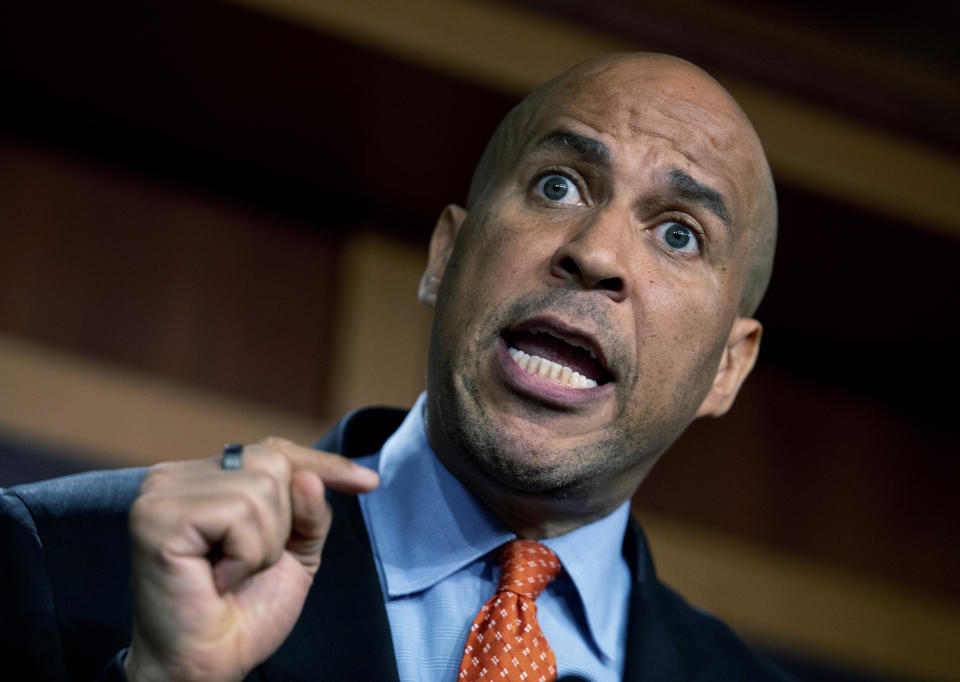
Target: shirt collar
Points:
(443, 528)
(592, 556)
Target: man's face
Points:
(612, 243)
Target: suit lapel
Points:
(343, 632)
(654, 649)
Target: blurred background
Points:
(213, 216)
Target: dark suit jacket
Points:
(65, 599)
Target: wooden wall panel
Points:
(802, 467)
(161, 278)
(382, 330)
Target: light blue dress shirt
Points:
(431, 539)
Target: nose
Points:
(593, 256)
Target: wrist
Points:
(137, 670)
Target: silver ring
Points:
(232, 457)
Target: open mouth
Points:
(560, 355)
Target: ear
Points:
(441, 246)
(740, 353)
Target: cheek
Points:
(506, 258)
(488, 269)
(680, 325)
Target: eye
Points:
(559, 189)
(678, 236)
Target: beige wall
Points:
(382, 330)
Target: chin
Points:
(492, 437)
(515, 455)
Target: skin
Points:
(202, 620)
(672, 325)
(222, 560)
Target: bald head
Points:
(698, 101)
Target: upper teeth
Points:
(561, 374)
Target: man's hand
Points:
(223, 560)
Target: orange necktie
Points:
(505, 640)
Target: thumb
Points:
(311, 520)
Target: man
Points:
(595, 296)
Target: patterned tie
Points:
(505, 640)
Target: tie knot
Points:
(526, 567)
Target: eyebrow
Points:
(596, 151)
(699, 193)
(566, 140)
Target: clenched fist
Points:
(223, 560)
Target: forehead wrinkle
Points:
(654, 96)
(564, 140)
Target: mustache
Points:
(567, 302)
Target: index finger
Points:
(336, 471)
